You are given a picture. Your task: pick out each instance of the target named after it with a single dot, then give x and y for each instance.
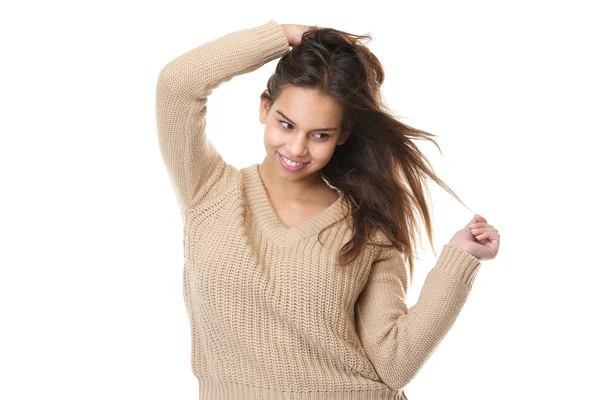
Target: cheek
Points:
(323, 152)
(271, 138)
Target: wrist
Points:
(286, 32)
(460, 244)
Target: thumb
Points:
(476, 218)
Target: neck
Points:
(295, 190)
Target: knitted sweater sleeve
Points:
(399, 340)
(196, 170)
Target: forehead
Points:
(308, 106)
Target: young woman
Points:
(295, 276)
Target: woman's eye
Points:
(325, 136)
(283, 122)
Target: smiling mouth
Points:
(292, 161)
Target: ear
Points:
(343, 137)
(263, 109)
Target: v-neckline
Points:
(268, 220)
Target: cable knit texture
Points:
(272, 315)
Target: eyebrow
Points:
(322, 129)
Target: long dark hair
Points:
(379, 169)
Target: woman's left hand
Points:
(478, 238)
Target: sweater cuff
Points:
(459, 263)
(273, 41)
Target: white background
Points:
(91, 303)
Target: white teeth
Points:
(291, 163)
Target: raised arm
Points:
(399, 340)
(195, 168)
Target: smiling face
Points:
(303, 126)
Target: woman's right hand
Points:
(294, 33)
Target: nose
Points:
(297, 146)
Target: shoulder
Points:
(385, 249)
(225, 187)
(379, 238)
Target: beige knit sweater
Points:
(270, 315)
